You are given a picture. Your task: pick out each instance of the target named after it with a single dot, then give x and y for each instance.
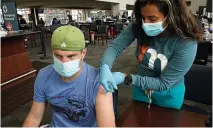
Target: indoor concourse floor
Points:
(126, 63)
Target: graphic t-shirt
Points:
(72, 103)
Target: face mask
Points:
(66, 69)
(153, 29)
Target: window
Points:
(24, 12)
(60, 14)
(77, 15)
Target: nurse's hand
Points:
(149, 92)
(106, 78)
(118, 77)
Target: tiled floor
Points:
(125, 63)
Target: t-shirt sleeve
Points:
(95, 88)
(95, 92)
(39, 88)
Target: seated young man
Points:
(70, 86)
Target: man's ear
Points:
(84, 52)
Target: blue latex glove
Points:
(106, 78)
(118, 77)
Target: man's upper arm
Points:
(104, 109)
(39, 101)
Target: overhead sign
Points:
(10, 16)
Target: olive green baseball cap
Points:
(68, 38)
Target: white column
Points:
(35, 16)
(86, 14)
(122, 6)
(116, 8)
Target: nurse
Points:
(166, 34)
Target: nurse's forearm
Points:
(152, 83)
(112, 52)
(117, 46)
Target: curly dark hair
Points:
(179, 17)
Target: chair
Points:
(111, 31)
(93, 27)
(77, 25)
(202, 53)
(99, 22)
(119, 28)
(109, 23)
(101, 33)
(86, 36)
(198, 82)
(84, 27)
(74, 24)
(87, 43)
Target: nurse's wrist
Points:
(105, 64)
(134, 79)
(127, 79)
(125, 75)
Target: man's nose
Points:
(65, 59)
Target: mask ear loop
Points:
(81, 61)
(165, 19)
(142, 21)
(167, 23)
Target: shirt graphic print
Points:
(149, 58)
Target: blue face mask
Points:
(153, 29)
(67, 69)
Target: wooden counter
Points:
(139, 115)
(16, 68)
